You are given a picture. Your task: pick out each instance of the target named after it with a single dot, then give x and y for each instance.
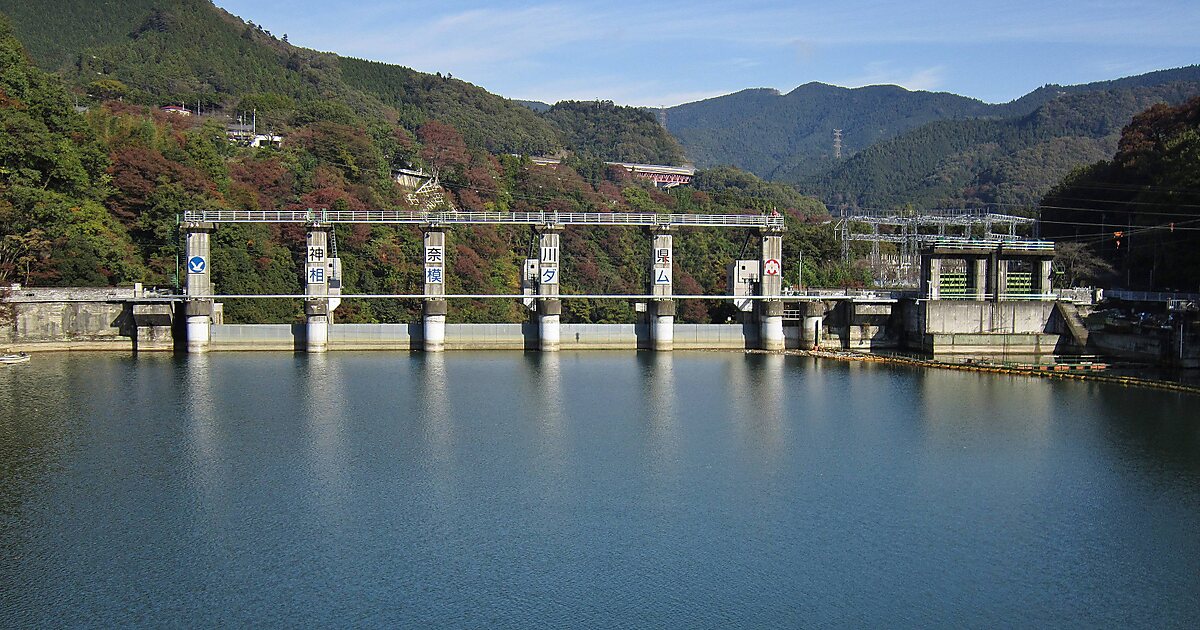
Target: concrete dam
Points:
(985, 313)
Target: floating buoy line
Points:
(1076, 372)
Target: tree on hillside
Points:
(1079, 265)
(1140, 211)
(600, 129)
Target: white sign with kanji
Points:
(433, 275)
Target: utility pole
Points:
(800, 274)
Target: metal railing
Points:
(993, 243)
(772, 221)
(1150, 296)
(1004, 297)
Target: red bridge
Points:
(662, 175)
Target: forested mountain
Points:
(94, 199)
(602, 129)
(1047, 93)
(1141, 210)
(55, 32)
(161, 52)
(789, 137)
(485, 120)
(1008, 162)
(769, 133)
(191, 52)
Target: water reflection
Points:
(590, 489)
(547, 387)
(435, 408)
(662, 416)
(201, 427)
(324, 419)
(954, 403)
(756, 388)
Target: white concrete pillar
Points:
(316, 285)
(1001, 278)
(549, 309)
(812, 331)
(434, 325)
(549, 331)
(198, 310)
(198, 331)
(434, 313)
(770, 324)
(770, 311)
(434, 333)
(1043, 277)
(976, 278)
(316, 333)
(663, 332)
(935, 279)
(662, 310)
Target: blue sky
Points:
(667, 52)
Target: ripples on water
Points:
(592, 489)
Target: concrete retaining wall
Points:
(978, 327)
(484, 336)
(256, 337)
(717, 336)
(374, 336)
(84, 319)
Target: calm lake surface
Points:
(588, 490)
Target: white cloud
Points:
(885, 73)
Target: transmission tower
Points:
(837, 144)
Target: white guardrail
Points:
(456, 217)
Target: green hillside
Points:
(55, 32)
(604, 130)
(1139, 211)
(789, 137)
(1011, 162)
(485, 120)
(189, 51)
(770, 134)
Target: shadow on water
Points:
(1163, 427)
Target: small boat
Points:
(20, 357)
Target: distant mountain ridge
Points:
(789, 137)
(767, 133)
(1009, 162)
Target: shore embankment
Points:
(1076, 373)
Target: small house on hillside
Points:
(178, 110)
(247, 135)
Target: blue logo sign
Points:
(197, 264)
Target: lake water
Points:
(592, 489)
